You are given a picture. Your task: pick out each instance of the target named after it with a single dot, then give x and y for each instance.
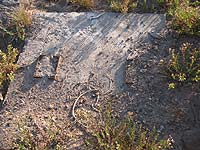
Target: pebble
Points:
(1, 97)
(50, 107)
(66, 106)
(54, 118)
(7, 125)
(46, 116)
(143, 70)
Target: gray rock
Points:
(5, 6)
(9, 2)
(191, 140)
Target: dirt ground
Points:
(128, 76)
(175, 112)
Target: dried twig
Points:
(98, 16)
(74, 105)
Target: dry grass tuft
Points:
(84, 3)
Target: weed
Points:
(160, 2)
(186, 18)
(195, 4)
(125, 6)
(133, 5)
(156, 6)
(116, 6)
(6, 31)
(21, 19)
(122, 6)
(107, 134)
(84, 3)
(124, 135)
(85, 117)
(171, 85)
(183, 67)
(7, 64)
(25, 3)
(144, 6)
(172, 5)
(35, 137)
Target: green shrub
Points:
(186, 18)
(183, 67)
(160, 2)
(21, 19)
(109, 134)
(32, 136)
(114, 134)
(122, 6)
(84, 3)
(7, 64)
(171, 6)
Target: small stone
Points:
(54, 119)
(143, 70)
(55, 108)
(162, 128)
(7, 125)
(10, 118)
(46, 116)
(66, 106)
(130, 113)
(50, 107)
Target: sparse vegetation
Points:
(114, 134)
(109, 132)
(183, 66)
(186, 18)
(161, 3)
(171, 6)
(36, 137)
(13, 32)
(122, 6)
(84, 3)
(21, 19)
(145, 7)
(7, 64)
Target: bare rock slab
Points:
(96, 43)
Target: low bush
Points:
(21, 19)
(122, 6)
(115, 134)
(7, 64)
(183, 66)
(84, 3)
(186, 18)
(32, 136)
(108, 133)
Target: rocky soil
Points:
(114, 57)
